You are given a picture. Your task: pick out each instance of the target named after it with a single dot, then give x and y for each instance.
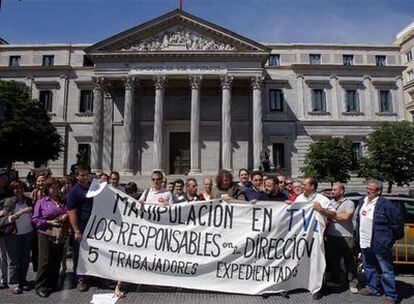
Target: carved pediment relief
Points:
(179, 39)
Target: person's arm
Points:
(74, 222)
(343, 216)
(328, 213)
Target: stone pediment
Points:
(179, 32)
(179, 39)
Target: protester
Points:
(114, 181)
(244, 179)
(132, 190)
(297, 190)
(156, 194)
(50, 218)
(66, 184)
(178, 192)
(4, 193)
(38, 191)
(282, 181)
(164, 182)
(191, 190)
(103, 177)
(17, 212)
(170, 186)
(80, 208)
(321, 204)
(256, 189)
(289, 186)
(340, 242)
(379, 224)
(208, 187)
(225, 187)
(272, 191)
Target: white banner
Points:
(268, 247)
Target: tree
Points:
(390, 154)
(330, 160)
(26, 133)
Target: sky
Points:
(277, 21)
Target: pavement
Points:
(144, 294)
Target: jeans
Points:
(3, 261)
(18, 257)
(379, 268)
(76, 247)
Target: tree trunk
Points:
(389, 187)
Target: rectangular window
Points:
(274, 60)
(14, 61)
(410, 75)
(408, 56)
(318, 100)
(48, 60)
(45, 98)
(87, 62)
(357, 149)
(380, 60)
(315, 59)
(279, 155)
(86, 101)
(84, 151)
(385, 101)
(352, 101)
(276, 100)
(348, 59)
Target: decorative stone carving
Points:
(195, 81)
(159, 81)
(129, 82)
(226, 81)
(179, 39)
(98, 82)
(257, 82)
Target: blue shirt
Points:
(251, 193)
(78, 201)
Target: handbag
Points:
(55, 234)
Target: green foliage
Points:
(390, 154)
(330, 160)
(26, 133)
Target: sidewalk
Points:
(144, 294)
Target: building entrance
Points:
(179, 153)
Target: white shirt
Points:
(24, 222)
(316, 197)
(156, 196)
(366, 220)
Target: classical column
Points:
(398, 104)
(159, 85)
(336, 104)
(128, 137)
(97, 131)
(301, 107)
(257, 83)
(226, 84)
(195, 82)
(370, 108)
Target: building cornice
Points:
(35, 68)
(328, 69)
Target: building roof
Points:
(2, 41)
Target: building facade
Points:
(186, 96)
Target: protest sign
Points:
(231, 247)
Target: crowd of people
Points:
(43, 226)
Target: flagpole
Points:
(181, 5)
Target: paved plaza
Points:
(144, 294)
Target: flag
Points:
(181, 4)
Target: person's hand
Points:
(317, 206)
(53, 222)
(261, 188)
(3, 213)
(62, 218)
(253, 201)
(288, 202)
(13, 218)
(78, 236)
(225, 196)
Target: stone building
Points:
(405, 39)
(183, 95)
